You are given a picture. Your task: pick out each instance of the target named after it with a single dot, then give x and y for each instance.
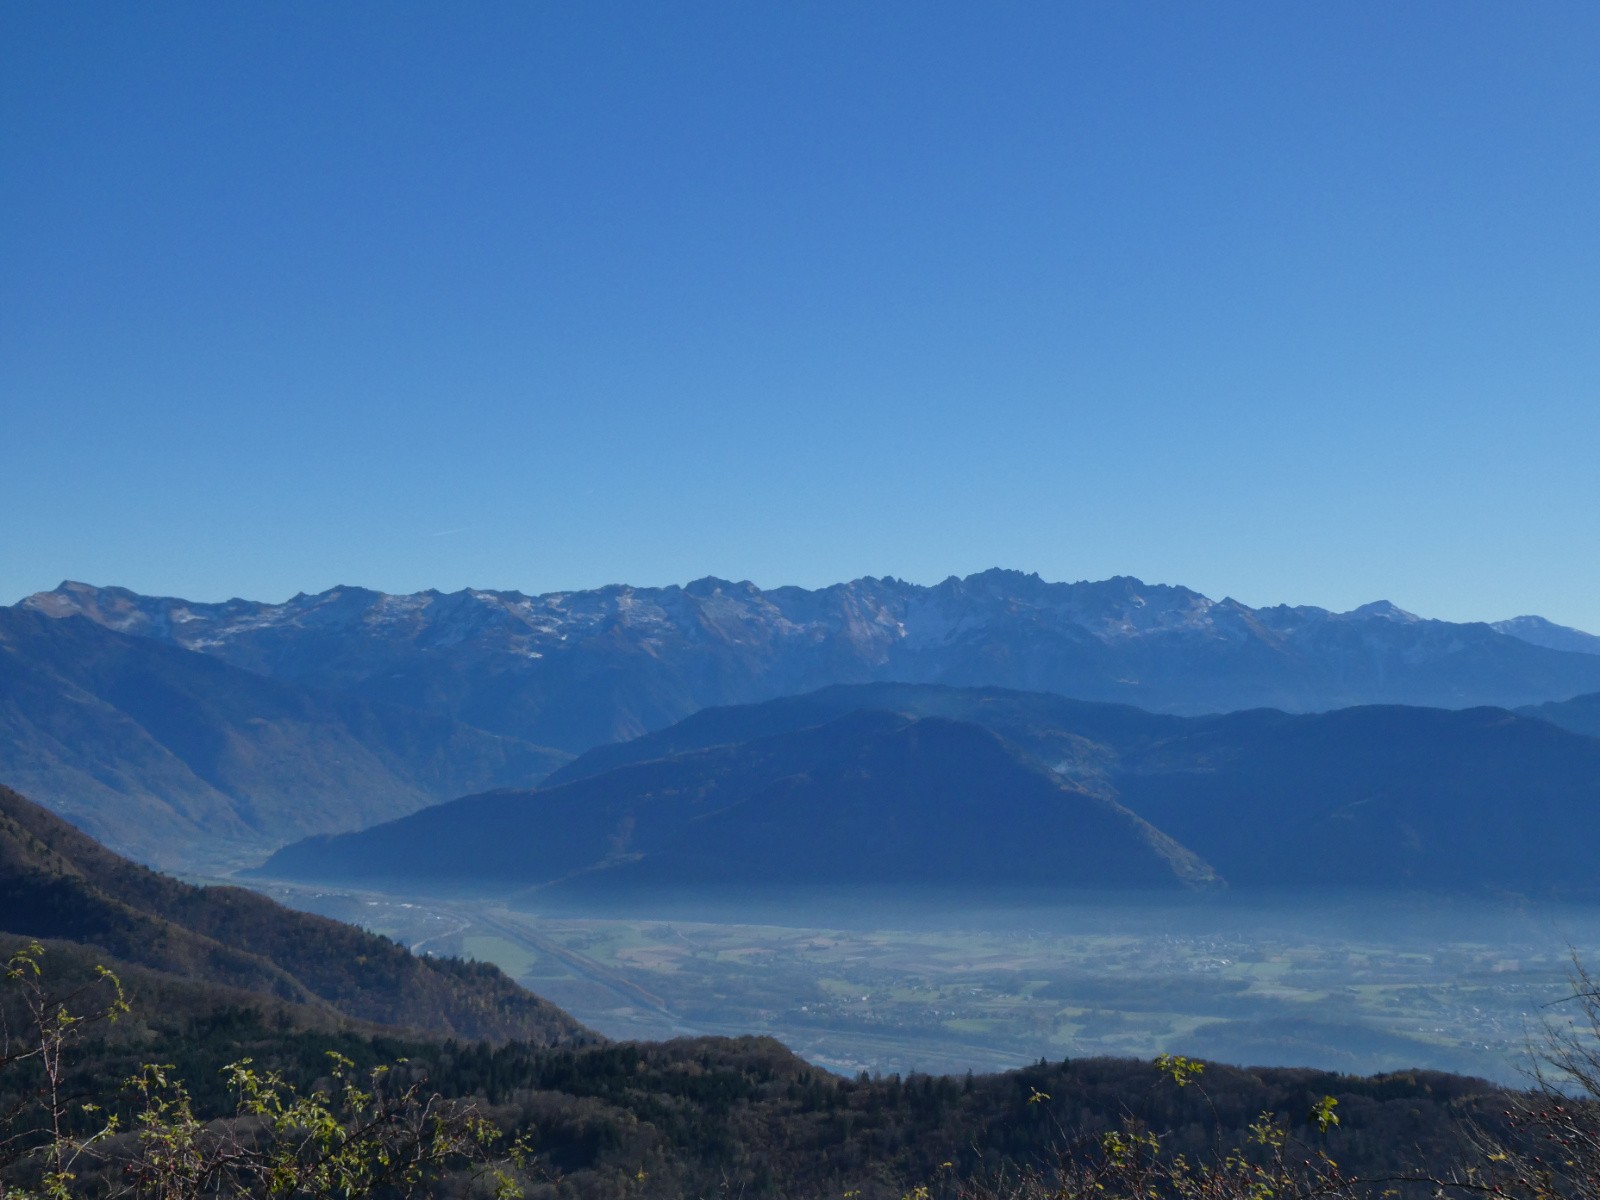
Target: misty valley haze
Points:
(1082, 747)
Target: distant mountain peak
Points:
(1383, 610)
(710, 585)
(1540, 632)
(573, 669)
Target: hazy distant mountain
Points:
(1540, 632)
(1581, 714)
(175, 756)
(1368, 796)
(1078, 739)
(576, 669)
(1383, 796)
(870, 798)
(57, 883)
(1378, 796)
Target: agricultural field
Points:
(1349, 985)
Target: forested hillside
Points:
(57, 883)
(744, 1116)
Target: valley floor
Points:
(881, 984)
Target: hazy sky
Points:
(1295, 302)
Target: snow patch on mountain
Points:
(1540, 632)
(572, 668)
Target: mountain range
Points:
(202, 736)
(572, 670)
(1547, 633)
(892, 784)
(186, 736)
(179, 729)
(182, 759)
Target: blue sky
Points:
(1292, 302)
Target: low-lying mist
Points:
(946, 981)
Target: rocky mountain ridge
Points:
(577, 669)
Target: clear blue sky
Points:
(1290, 301)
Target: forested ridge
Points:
(56, 882)
(745, 1116)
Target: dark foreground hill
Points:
(744, 1117)
(1373, 797)
(218, 975)
(57, 883)
(176, 757)
(576, 669)
(871, 798)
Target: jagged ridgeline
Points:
(205, 735)
(220, 947)
(575, 669)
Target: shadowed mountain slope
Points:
(1377, 796)
(1077, 739)
(1481, 799)
(577, 669)
(1387, 796)
(870, 798)
(173, 755)
(1581, 714)
(57, 883)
